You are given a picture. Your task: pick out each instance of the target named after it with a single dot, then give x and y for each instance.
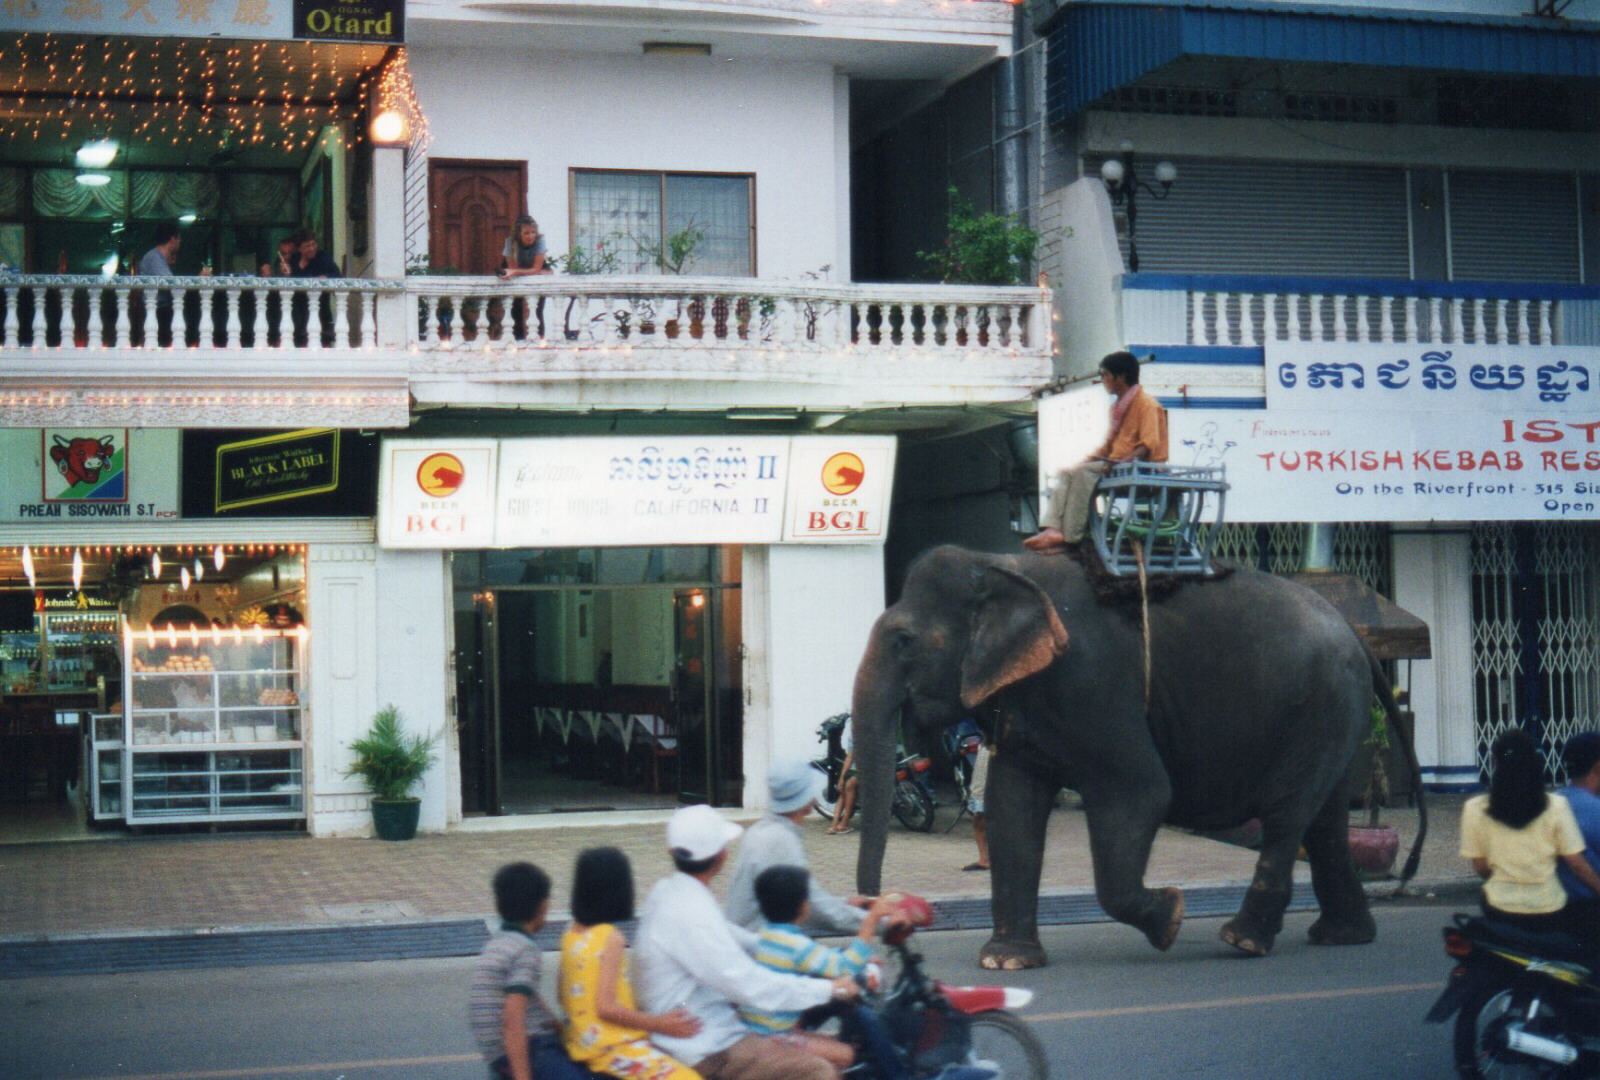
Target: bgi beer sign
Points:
(839, 489)
(438, 495)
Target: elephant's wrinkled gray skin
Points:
(1259, 697)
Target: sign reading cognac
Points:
(351, 20)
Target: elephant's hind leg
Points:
(1345, 918)
(1254, 929)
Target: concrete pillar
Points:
(807, 611)
(1433, 580)
(387, 229)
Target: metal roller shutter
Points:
(1249, 217)
(1508, 226)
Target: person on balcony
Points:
(314, 263)
(524, 255)
(1138, 433)
(157, 262)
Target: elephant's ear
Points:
(1015, 633)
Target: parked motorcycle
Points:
(914, 805)
(936, 1025)
(961, 743)
(1527, 1005)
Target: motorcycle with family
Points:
(740, 991)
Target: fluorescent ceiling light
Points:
(96, 154)
(187, 217)
(677, 48)
(93, 179)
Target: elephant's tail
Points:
(1380, 686)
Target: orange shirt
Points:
(1143, 427)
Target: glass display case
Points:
(19, 661)
(214, 725)
(105, 746)
(80, 646)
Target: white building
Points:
(615, 539)
(1372, 293)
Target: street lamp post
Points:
(1124, 185)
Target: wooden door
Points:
(471, 205)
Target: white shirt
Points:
(686, 955)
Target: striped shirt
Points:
(784, 947)
(509, 964)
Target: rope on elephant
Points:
(1144, 617)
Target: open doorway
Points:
(602, 693)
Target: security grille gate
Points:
(1279, 548)
(1535, 625)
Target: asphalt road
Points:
(1107, 1007)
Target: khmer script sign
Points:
(1410, 377)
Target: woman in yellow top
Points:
(604, 1031)
(1515, 834)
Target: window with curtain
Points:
(640, 215)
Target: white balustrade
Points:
(65, 312)
(1228, 317)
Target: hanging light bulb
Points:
(27, 564)
(183, 577)
(77, 569)
(155, 563)
(199, 568)
(217, 558)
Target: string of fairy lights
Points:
(185, 563)
(185, 92)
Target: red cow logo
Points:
(81, 460)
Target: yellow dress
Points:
(599, 1045)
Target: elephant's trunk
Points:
(874, 710)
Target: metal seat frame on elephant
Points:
(1162, 514)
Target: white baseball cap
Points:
(699, 832)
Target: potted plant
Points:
(1373, 846)
(390, 763)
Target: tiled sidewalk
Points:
(203, 882)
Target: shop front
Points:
(156, 623)
(634, 617)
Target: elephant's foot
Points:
(1359, 931)
(1251, 941)
(1002, 955)
(1162, 930)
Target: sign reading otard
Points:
(581, 492)
(381, 21)
(1299, 465)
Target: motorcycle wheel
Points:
(912, 807)
(1004, 1039)
(1480, 1050)
(829, 797)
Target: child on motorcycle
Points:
(782, 892)
(605, 1033)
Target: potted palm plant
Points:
(390, 763)
(1373, 846)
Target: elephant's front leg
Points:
(1124, 815)
(1017, 805)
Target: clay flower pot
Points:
(1373, 848)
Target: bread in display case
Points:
(215, 724)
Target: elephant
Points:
(1259, 695)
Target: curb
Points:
(243, 946)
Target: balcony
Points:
(1210, 333)
(231, 351)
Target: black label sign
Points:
(351, 20)
(277, 467)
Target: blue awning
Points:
(1095, 48)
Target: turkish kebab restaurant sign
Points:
(262, 20)
(78, 474)
(1302, 465)
(582, 492)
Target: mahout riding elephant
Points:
(1259, 694)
